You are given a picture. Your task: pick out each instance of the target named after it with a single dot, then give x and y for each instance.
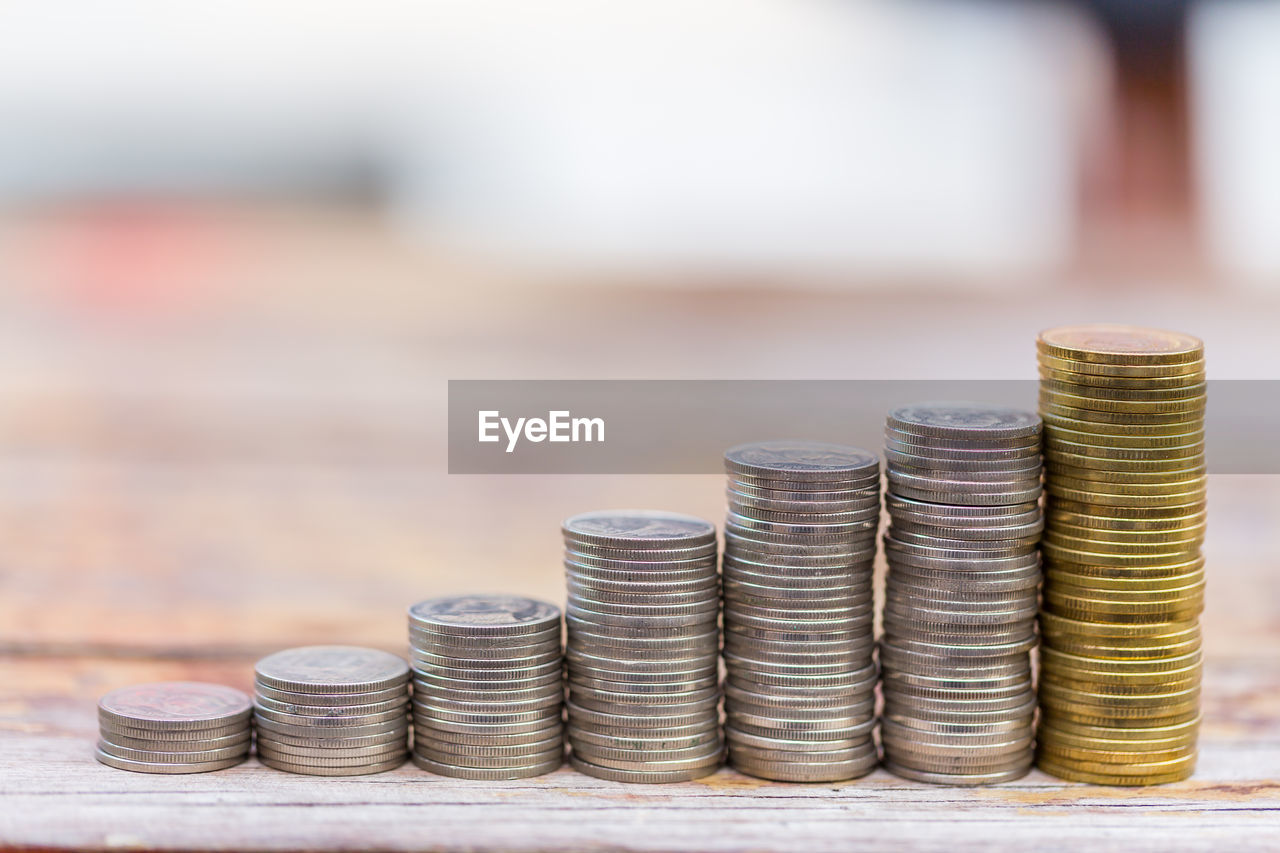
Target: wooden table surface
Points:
(223, 434)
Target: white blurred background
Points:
(962, 141)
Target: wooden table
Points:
(247, 453)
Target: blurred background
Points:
(244, 245)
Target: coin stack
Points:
(961, 593)
(332, 710)
(643, 645)
(800, 539)
(174, 727)
(1124, 578)
(488, 686)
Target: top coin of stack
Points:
(799, 548)
(488, 688)
(1124, 579)
(961, 593)
(332, 710)
(174, 727)
(644, 645)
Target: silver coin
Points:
(739, 737)
(818, 733)
(642, 739)
(671, 717)
(739, 752)
(431, 726)
(975, 497)
(177, 737)
(328, 721)
(903, 456)
(801, 460)
(343, 711)
(166, 767)
(643, 776)
(371, 698)
(505, 615)
(993, 778)
(493, 654)
(431, 661)
(332, 757)
(167, 757)
(279, 738)
(712, 758)
(345, 731)
(331, 669)
(965, 420)
(444, 736)
(488, 774)
(113, 736)
(311, 770)
(490, 757)
(699, 620)
(483, 641)
(638, 529)
(174, 705)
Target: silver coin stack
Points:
(961, 594)
(174, 727)
(332, 710)
(644, 645)
(800, 541)
(488, 687)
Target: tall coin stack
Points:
(961, 593)
(1124, 578)
(800, 540)
(488, 687)
(643, 645)
(332, 710)
(174, 727)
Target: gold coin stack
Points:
(1123, 412)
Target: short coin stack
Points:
(800, 540)
(643, 645)
(174, 727)
(332, 710)
(961, 594)
(1124, 578)
(488, 686)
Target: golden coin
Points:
(1053, 657)
(1170, 702)
(1063, 383)
(1066, 579)
(1192, 371)
(1125, 498)
(1119, 570)
(1124, 758)
(1176, 382)
(1128, 610)
(1113, 522)
(1174, 479)
(1112, 683)
(1121, 542)
(1151, 516)
(1118, 423)
(1162, 632)
(1121, 440)
(1075, 774)
(1157, 410)
(1073, 464)
(1053, 737)
(1060, 554)
(1056, 444)
(1116, 343)
(1119, 650)
(1179, 731)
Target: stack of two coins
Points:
(488, 687)
(961, 593)
(643, 645)
(174, 727)
(799, 550)
(1124, 578)
(332, 710)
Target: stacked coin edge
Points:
(174, 728)
(488, 692)
(1124, 577)
(800, 536)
